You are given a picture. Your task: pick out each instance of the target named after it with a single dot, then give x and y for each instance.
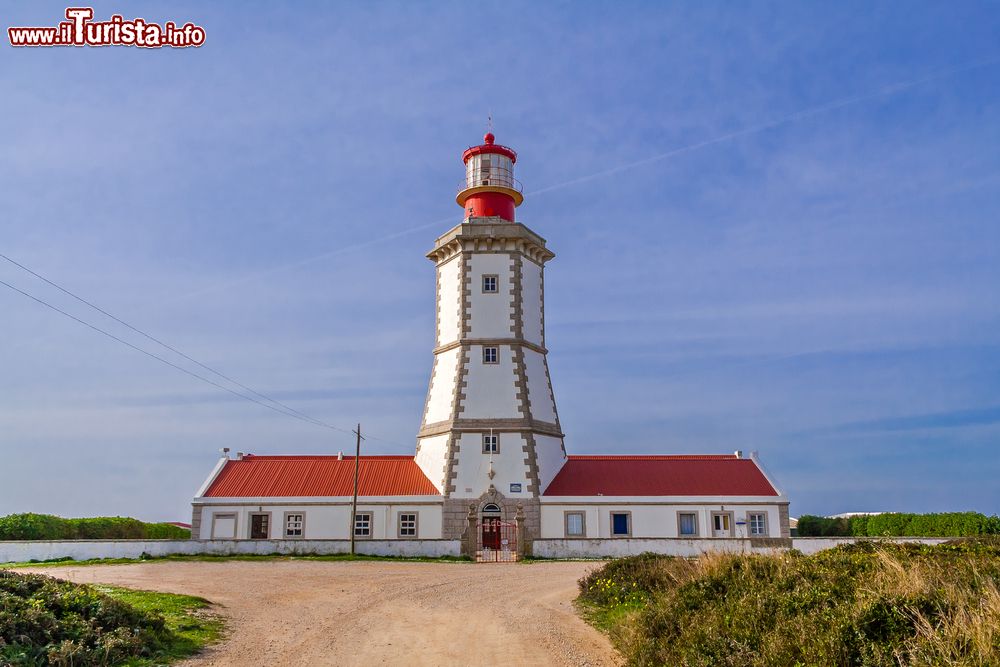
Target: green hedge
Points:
(49, 527)
(945, 524)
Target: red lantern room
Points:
(490, 188)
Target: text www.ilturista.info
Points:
(80, 30)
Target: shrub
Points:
(48, 527)
(50, 621)
(869, 604)
(892, 524)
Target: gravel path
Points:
(379, 612)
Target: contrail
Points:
(884, 91)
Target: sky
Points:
(776, 228)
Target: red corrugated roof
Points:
(290, 476)
(709, 475)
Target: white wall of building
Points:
(490, 315)
(473, 466)
(543, 406)
(650, 519)
(549, 454)
(432, 452)
(448, 299)
(490, 391)
(441, 393)
(323, 521)
(531, 301)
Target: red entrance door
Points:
(491, 533)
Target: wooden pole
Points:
(354, 501)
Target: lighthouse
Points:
(490, 478)
(490, 438)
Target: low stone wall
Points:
(670, 546)
(810, 545)
(22, 551)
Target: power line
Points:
(293, 414)
(170, 347)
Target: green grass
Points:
(865, 605)
(208, 558)
(187, 618)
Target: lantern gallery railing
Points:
(493, 175)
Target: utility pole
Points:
(354, 501)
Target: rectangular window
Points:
(407, 524)
(260, 526)
(294, 524)
(621, 524)
(687, 524)
(491, 355)
(490, 284)
(491, 443)
(758, 523)
(722, 524)
(363, 524)
(576, 524)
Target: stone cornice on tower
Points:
(490, 235)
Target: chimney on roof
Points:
(225, 452)
(340, 456)
(239, 456)
(738, 453)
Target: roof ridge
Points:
(653, 457)
(322, 457)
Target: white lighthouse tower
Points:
(490, 435)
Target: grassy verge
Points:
(64, 562)
(48, 621)
(869, 605)
(186, 617)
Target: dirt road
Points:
(378, 612)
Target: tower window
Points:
(491, 355)
(490, 284)
(491, 443)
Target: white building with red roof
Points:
(491, 474)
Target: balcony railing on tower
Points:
(490, 175)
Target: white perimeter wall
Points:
(490, 391)
(448, 300)
(324, 521)
(19, 552)
(810, 545)
(442, 388)
(432, 453)
(543, 406)
(651, 520)
(531, 304)
(490, 315)
(474, 466)
(618, 548)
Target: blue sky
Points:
(776, 228)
